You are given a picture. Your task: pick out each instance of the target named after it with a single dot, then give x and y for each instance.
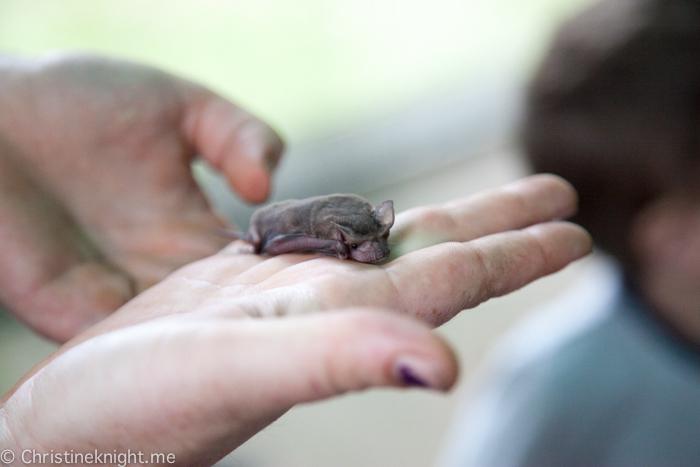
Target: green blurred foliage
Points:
(307, 66)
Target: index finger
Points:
(244, 148)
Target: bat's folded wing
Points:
(295, 243)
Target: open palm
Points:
(198, 363)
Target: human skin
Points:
(200, 362)
(665, 238)
(97, 200)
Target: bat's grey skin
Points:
(346, 226)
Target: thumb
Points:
(278, 363)
(216, 382)
(312, 357)
(244, 148)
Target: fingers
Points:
(233, 141)
(436, 283)
(209, 384)
(528, 201)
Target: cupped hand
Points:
(198, 363)
(97, 200)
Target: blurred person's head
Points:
(615, 109)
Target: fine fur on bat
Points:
(345, 226)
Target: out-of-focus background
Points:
(413, 100)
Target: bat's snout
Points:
(382, 253)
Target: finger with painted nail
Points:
(199, 386)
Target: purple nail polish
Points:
(409, 377)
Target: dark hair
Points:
(615, 109)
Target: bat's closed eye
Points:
(353, 246)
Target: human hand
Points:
(198, 363)
(97, 200)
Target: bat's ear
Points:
(342, 231)
(384, 213)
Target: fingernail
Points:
(272, 159)
(415, 372)
(409, 377)
(263, 146)
(586, 245)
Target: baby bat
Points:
(346, 226)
